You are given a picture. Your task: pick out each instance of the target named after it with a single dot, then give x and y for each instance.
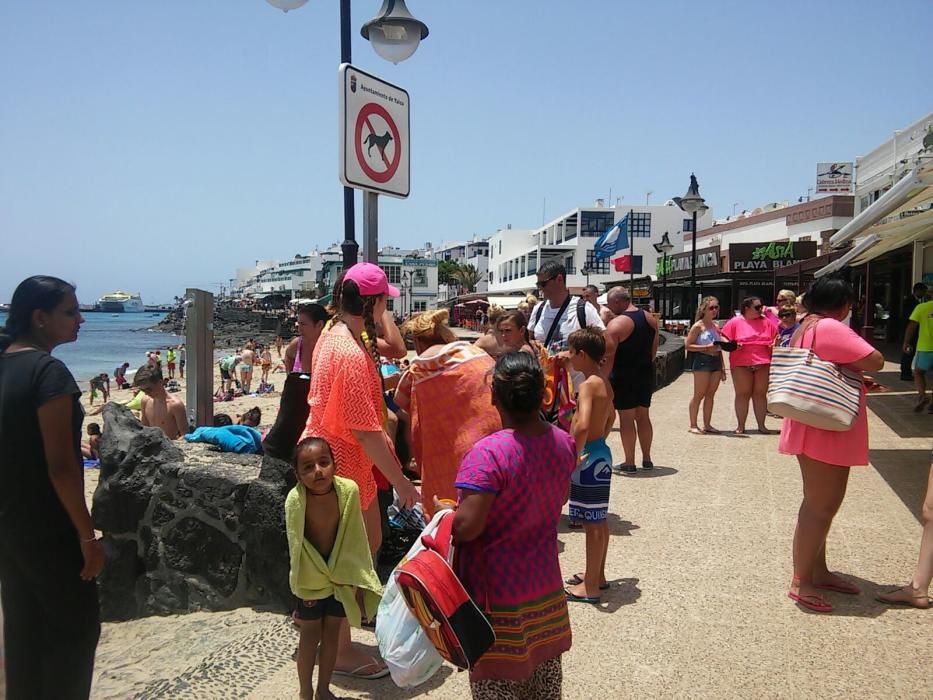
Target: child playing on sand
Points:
(589, 484)
(332, 574)
(91, 448)
(159, 408)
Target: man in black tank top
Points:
(632, 343)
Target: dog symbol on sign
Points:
(379, 142)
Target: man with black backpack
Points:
(560, 314)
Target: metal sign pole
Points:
(199, 343)
(371, 226)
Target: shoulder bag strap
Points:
(581, 313)
(556, 322)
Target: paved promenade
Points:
(699, 563)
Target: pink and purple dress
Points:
(511, 570)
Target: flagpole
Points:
(631, 252)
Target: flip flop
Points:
(357, 672)
(647, 464)
(591, 600)
(577, 579)
(846, 588)
(814, 603)
(884, 598)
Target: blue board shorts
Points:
(924, 361)
(589, 484)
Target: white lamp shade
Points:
(395, 42)
(286, 5)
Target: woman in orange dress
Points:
(345, 399)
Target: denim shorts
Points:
(707, 363)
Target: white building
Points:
(474, 252)
(413, 274)
(295, 277)
(516, 254)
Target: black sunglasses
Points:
(545, 283)
(712, 308)
(759, 307)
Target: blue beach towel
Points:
(230, 438)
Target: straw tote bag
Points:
(812, 391)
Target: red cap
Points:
(371, 279)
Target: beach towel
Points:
(350, 565)
(449, 397)
(240, 439)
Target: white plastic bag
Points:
(406, 649)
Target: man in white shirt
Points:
(560, 314)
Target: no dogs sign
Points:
(374, 134)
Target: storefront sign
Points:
(678, 266)
(419, 262)
(756, 257)
(834, 177)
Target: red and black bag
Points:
(451, 620)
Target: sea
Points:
(107, 340)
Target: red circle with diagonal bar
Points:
(363, 119)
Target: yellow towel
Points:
(350, 565)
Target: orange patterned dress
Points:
(345, 395)
(447, 392)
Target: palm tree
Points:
(468, 277)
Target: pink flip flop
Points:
(813, 603)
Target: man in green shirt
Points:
(920, 327)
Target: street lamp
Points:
(395, 35)
(692, 203)
(664, 247)
(586, 271)
(408, 283)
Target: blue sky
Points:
(157, 145)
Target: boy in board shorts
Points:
(589, 484)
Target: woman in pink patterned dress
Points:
(513, 485)
(824, 455)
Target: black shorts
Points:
(316, 609)
(225, 373)
(633, 389)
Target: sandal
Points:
(573, 598)
(921, 601)
(814, 603)
(578, 579)
(357, 672)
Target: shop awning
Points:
(902, 215)
(507, 303)
(911, 187)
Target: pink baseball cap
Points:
(371, 279)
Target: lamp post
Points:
(586, 271)
(692, 203)
(407, 283)
(395, 35)
(664, 247)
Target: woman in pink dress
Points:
(750, 361)
(825, 456)
(513, 485)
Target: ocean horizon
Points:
(108, 340)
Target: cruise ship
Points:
(121, 302)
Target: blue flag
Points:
(613, 240)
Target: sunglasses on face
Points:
(544, 283)
(758, 307)
(787, 314)
(712, 308)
